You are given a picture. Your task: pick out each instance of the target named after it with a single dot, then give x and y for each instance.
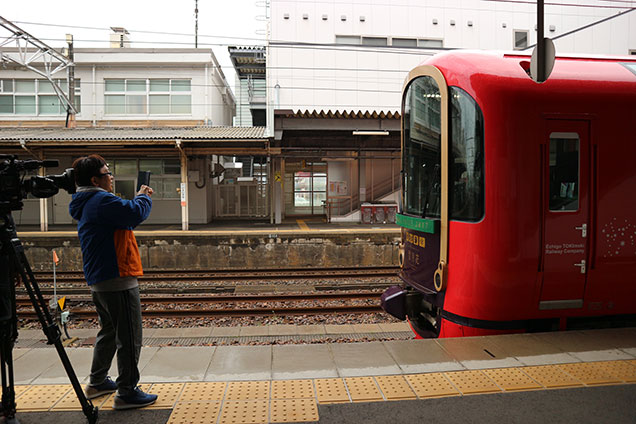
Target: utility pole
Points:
(70, 114)
(540, 43)
(196, 23)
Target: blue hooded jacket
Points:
(104, 225)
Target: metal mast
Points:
(53, 61)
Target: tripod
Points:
(14, 265)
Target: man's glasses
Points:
(104, 174)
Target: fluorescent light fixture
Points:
(371, 132)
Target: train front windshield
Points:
(422, 153)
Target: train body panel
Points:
(556, 237)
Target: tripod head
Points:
(14, 186)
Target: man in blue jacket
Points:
(111, 267)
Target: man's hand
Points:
(144, 189)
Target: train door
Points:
(566, 191)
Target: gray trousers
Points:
(119, 315)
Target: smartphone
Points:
(143, 178)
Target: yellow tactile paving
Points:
(395, 387)
(293, 410)
(203, 391)
(551, 376)
(244, 390)
(431, 385)
(622, 370)
(363, 389)
(70, 402)
(42, 398)
(331, 390)
(292, 389)
(167, 394)
(195, 413)
(469, 382)
(244, 411)
(590, 373)
(20, 389)
(511, 379)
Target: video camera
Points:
(14, 186)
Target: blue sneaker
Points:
(108, 386)
(136, 399)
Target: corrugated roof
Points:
(343, 114)
(137, 134)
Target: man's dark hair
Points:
(86, 168)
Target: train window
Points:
(466, 168)
(564, 172)
(521, 39)
(631, 66)
(422, 154)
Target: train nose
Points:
(393, 301)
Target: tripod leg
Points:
(8, 389)
(52, 331)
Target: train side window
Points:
(466, 167)
(564, 172)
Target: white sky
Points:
(234, 22)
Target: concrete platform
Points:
(302, 383)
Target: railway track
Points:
(178, 311)
(234, 275)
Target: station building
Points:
(168, 111)
(314, 127)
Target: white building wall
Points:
(332, 77)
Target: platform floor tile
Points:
(167, 394)
(195, 413)
(247, 390)
(551, 376)
(20, 389)
(293, 410)
(511, 379)
(70, 402)
(42, 398)
(292, 389)
(212, 391)
(431, 385)
(331, 390)
(245, 412)
(470, 382)
(621, 369)
(590, 373)
(395, 387)
(363, 389)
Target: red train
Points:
(518, 208)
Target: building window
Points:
(148, 97)
(404, 42)
(165, 177)
(632, 52)
(34, 97)
(430, 42)
(521, 39)
(375, 41)
(347, 39)
(393, 41)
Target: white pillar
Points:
(184, 190)
(44, 210)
